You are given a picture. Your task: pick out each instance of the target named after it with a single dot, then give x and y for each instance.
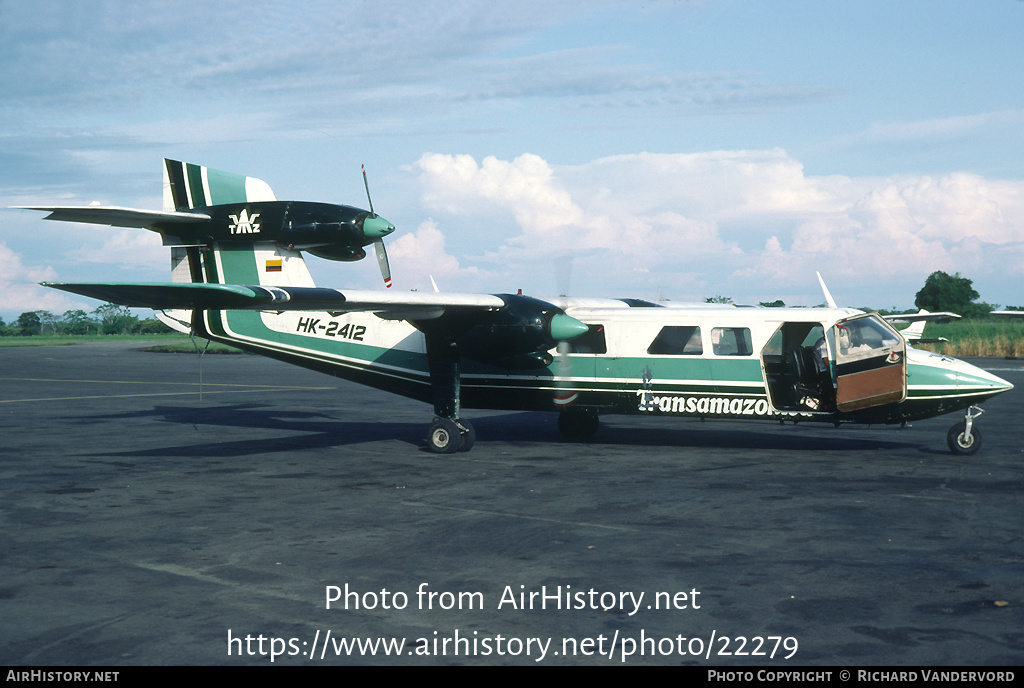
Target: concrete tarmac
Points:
(140, 525)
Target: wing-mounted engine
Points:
(518, 336)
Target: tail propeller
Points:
(377, 227)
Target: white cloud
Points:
(20, 291)
(415, 258)
(134, 248)
(740, 222)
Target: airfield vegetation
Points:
(991, 336)
(171, 342)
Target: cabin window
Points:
(590, 342)
(731, 341)
(676, 340)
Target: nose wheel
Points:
(964, 438)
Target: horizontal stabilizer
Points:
(164, 296)
(920, 316)
(119, 217)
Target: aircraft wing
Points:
(1009, 314)
(922, 316)
(187, 295)
(118, 217)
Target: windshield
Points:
(865, 336)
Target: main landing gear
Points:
(448, 436)
(448, 433)
(964, 438)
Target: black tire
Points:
(468, 437)
(444, 437)
(959, 444)
(578, 425)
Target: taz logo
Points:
(244, 224)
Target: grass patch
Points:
(170, 343)
(66, 339)
(188, 348)
(994, 336)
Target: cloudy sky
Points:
(666, 149)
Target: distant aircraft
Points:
(1010, 314)
(914, 334)
(238, 277)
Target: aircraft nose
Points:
(972, 379)
(376, 227)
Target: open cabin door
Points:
(871, 363)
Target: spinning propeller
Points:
(376, 227)
(565, 395)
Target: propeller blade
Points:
(367, 185)
(565, 396)
(382, 261)
(378, 227)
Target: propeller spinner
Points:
(376, 227)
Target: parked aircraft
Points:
(914, 334)
(579, 357)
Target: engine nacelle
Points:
(334, 232)
(531, 361)
(520, 335)
(346, 253)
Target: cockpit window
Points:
(864, 336)
(676, 340)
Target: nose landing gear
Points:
(964, 438)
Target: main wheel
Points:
(961, 443)
(468, 437)
(444, 436)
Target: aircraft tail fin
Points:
(188, 186)
(914, 333)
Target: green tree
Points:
(718, 299)
(151, 326)
(115, 319)
(48, 321)
(777, 303)
(78, 322)
(29, 324)
(943, 292)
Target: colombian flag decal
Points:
(274, 265)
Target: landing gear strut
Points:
(964, 438)
(448, 433)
